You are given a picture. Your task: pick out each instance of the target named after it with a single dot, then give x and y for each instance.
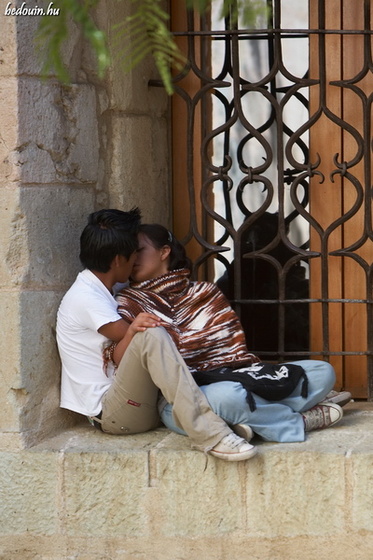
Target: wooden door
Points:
(340, 189)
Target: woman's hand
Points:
(142, 322)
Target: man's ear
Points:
(165, 252)
(115, 262)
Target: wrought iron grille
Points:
(278, 177)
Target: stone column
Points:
(65, 151)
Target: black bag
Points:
(272, 382)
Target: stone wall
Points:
(65, 151)
(85, 495)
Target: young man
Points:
(125, 401)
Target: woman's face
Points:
(149, 262)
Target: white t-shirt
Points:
(87, 306)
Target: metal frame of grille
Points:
(281, 174)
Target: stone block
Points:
(106, 482)
(291, 492)
(182, 478)
(11, 441)
(140, 166)
(8, 49)
(39, 261)
(14, 257)
(9, 359)
(29, 402)
(129, 90)
(357, 442)
(55, 217)
(361, 470)
(106, 495)
(29, 486)
(9, 128)
(22, 54)
(41, 231)
(38, 395)
(58, 133)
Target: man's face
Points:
(124, 267)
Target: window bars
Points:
(273, 180)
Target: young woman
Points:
(208, 335)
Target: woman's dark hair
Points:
(159, 236)
(107, 234)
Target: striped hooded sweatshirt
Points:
(198, 317)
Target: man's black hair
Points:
(108, 233)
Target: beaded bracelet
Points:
(108, 355)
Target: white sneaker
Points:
(233, 448)
(338, 397)
(243, 431)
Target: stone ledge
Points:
(89, 496)
(354, 434)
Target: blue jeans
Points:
(274, 421)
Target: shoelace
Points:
(232, 441)
(315, 418)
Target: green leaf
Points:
(146, 31)
(142, 33)
(53, 32)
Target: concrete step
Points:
(90, 496)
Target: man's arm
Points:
(114, 331)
